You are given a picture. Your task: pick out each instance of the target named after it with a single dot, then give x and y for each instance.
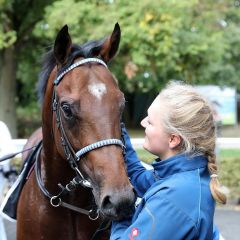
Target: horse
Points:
(79, 179)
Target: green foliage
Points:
(28, 119)
(230, 172)
(85, 19)
(18, 20)
(7, 39)
(191, 40)
(7, 36)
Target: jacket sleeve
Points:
(216, 234)
(158, 220)
(141, 178)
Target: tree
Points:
(191, 40)
(188, 40)
(18, 21)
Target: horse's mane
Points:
(89, 49)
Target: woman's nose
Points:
(144, 122)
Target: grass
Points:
(230, 153)
(145, 156)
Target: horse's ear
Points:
(111, 44)
(62, 46)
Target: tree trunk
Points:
(8, 89)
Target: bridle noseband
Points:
(72, 156)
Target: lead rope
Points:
(12, 155)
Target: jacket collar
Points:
(179, 163)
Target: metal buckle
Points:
(70, 186)
(86, 183)
(55, 103)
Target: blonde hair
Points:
(191, 117)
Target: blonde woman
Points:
(179, 194)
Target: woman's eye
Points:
(67, 111)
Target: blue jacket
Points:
(176, 199)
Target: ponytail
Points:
(215, 186)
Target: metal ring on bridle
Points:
(93, 212)
(58, 203)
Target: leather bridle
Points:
(72, 156)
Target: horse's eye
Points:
(67, 110)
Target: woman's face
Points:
(157, 140)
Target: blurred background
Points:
(189, 40)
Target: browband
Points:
(76, 64)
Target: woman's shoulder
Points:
(174, 185)
(189, 186)
(186, 193)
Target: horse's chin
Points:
(121, 208)
(122, 214)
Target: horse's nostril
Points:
(106, 204)
(108, 208)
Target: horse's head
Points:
(88, 106)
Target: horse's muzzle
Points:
(117, 205)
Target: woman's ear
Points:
(174, 141)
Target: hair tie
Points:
(213, 176)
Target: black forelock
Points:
(86, 50)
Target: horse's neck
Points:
(54, 169)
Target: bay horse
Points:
(79, 177)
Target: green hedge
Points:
(229, 169)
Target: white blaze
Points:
(97, 89)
